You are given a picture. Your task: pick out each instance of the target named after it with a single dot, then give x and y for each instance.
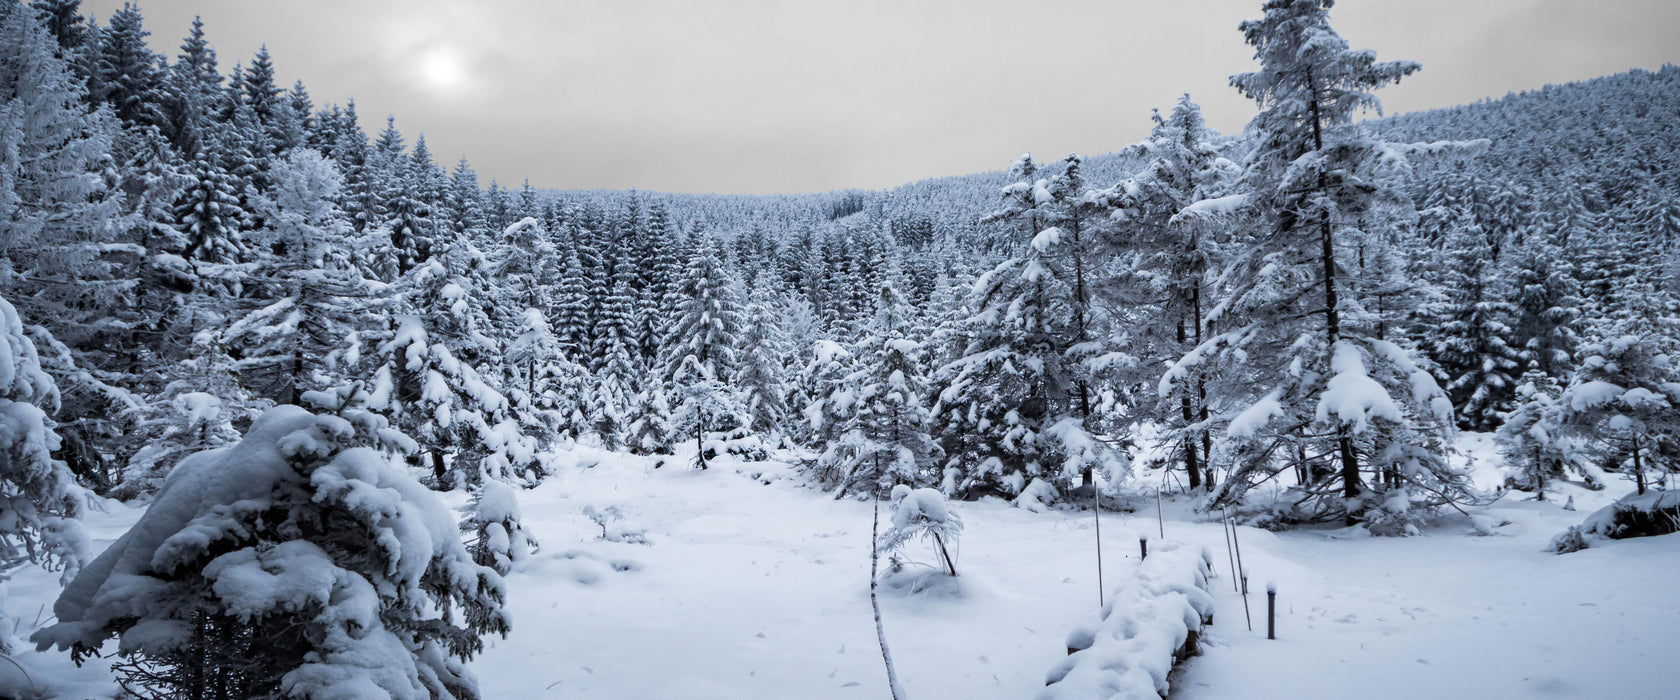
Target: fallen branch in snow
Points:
(1153, 622)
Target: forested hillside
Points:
(1315, 307)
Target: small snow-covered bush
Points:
(1570, 540)
(613, 527)
(1637, 515)
(923, 513)
(498, 539)
(302, 562)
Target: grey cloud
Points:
(765, 96)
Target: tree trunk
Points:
(880, 632)
(1351, 486)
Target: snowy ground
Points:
(754, 590)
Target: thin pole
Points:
(1242, 572)
(880, 632)
(1225, 527)
(1159, 521)
(1096, 513)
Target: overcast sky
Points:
(796, 96)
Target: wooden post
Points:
(1271, 610)
(1143, 546)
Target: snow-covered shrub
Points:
(1571, 540)
(496, 536)
(923, 514)
(300, 562)
(39, 498)
(1152, 620)
(1636, 515)
(613, 527)
(1038, 496)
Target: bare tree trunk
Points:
(880, 632)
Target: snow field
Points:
(755, 590)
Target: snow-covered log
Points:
(1153, 620)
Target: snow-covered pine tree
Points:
(496, 536)
(39, 498)
(572, 309)
(922, 513)
(1318, 390)
(1624, 399)
(1470, 331)
(883, 438)
(541, 378)
(1536, 451)
(762, 390)
(708, 321)
(647, 423)
(301, 562)
(703, 406)
(606, 399)
(302, 336)
(1016, 376)
(426, 380)
(1169, 275)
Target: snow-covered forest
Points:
(276, 388)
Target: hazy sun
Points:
(442, 69)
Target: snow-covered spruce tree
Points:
(883, 437)
(707, 325)
(1547, 306)
(1167, 279)
(195, 421)
(703, 405)
(543, 382)
(571, 308)
(702, 349)
(39, 498)
(425, 380)
(1470, 333)
(496, 537)
(762, 392)
(1625, 400)
(300, 562)
(647, 423)
(1022, 369)
(301, 337)
(829, 405)
(1536, 451)
(923, 514)
(1295, 350)
(605, 402)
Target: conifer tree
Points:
(41, 500)
(883, 438)
(647, 423)
(379, 594)
(130, 76)
(1295, 351)
(301, 336)
(708, 320)
(760, 381)
(1531, 439)
(1471, 333)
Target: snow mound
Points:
(1151, 622)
